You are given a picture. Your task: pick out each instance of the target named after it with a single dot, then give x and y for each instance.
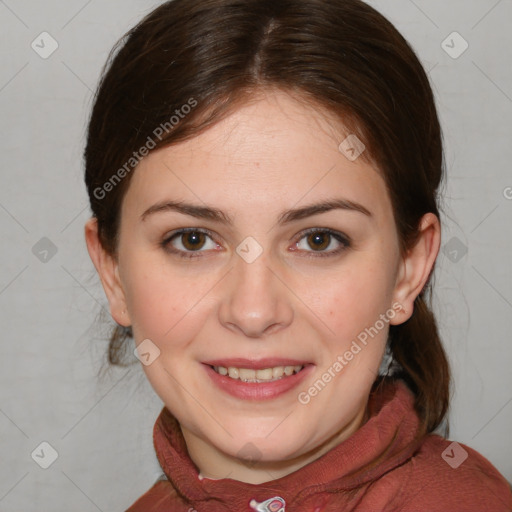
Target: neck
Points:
(215, 464)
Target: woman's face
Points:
(272, 273)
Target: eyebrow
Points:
(216, 215)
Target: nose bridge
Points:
(255, 301)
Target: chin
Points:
(273, 448)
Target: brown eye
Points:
(322, 242)
(193, 240)
(190, 243)
(319, 241)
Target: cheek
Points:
(351, 304)
(158, 301)
(353, 297)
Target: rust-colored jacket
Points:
(381, 467)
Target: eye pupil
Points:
(193, 240)
(319, 241)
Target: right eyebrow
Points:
(200, 212)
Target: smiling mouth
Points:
(259, 375)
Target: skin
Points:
(267, 157)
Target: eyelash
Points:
(342, 239)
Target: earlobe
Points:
(416, 266)
(108, 270)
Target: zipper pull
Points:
(275, 504)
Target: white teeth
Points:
(266, 374)
(246, 374)
(277, 372)
(288, 370)
(263, 375)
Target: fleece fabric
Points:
(383, 466)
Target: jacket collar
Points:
(386, 440)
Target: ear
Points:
(108, 271)
(415, 268)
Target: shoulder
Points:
(446, 475)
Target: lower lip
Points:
(258, 390)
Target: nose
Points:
(255, 300)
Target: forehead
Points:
(272, 151)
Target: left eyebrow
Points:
(210, 213)
(325, 206)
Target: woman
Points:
(264, 178)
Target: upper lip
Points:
(255, 364)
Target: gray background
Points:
(52, 342)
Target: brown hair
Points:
(342, 55)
